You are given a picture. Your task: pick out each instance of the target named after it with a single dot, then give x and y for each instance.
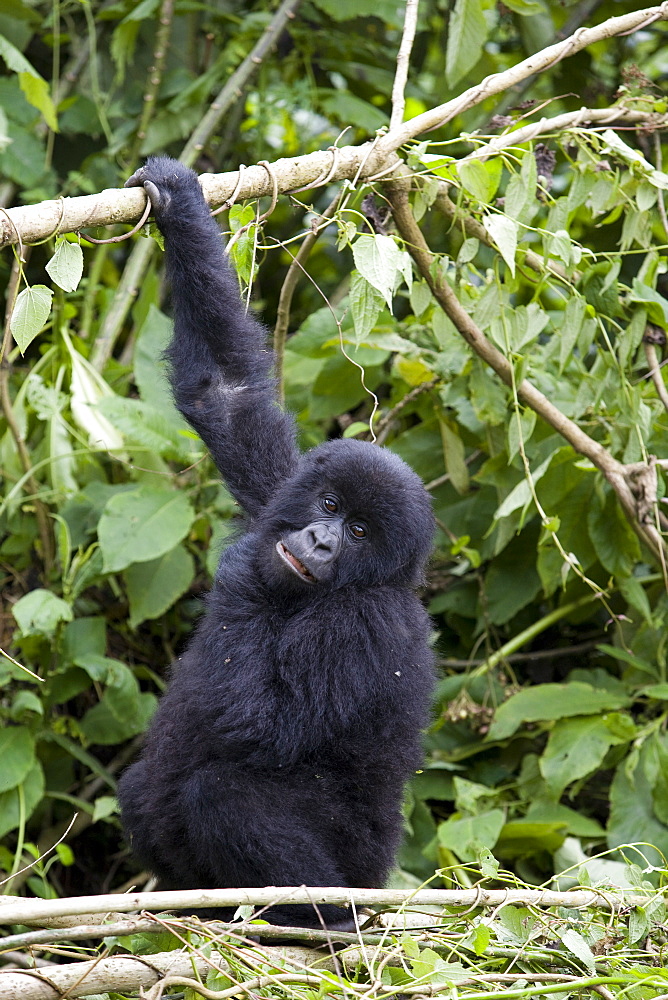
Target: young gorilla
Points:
(279, 752)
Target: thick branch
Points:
(113, 206)
(613, 470)
(124, 974)
(37, 222)
(34, 911)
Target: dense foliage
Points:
(549, 740)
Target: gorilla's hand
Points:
(168, 182)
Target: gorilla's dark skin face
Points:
(279, 752)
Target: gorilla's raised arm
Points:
(221, 369)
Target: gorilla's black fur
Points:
(279, 753)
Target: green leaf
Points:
(551, 701)
(105, 805)
(576, 747)
(420, 294)
(10, 805)
(35, 88)
(520, 430)
(379, 260)
(527, 8)
(101, 726)
(17, 753)
(36, 92)
(142, 524)
(632, 818)
(504, 234)
(467, 33)
(366, 304)
(454, 455)
(466, 836)
(40, 612)
(523, 837)
(347, 10)
(521, 494)
(155, 585)
(546, 811)
(614, 540)
(635, 159)
(30, 313)
(577, 946)
(481, 179)
(481, 936)
(66, 265)
(568, 330)
(657, 305)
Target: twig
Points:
(140, 257)
(655, 366)
(403, 60)
(385, 422)
(236, 83)
(538, 654)
(473, 228)
(41, 511)
(661, 200)
(122, 974)
(584, 118)
(289, 285)
(41, 856)
(154, 73)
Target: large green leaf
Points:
(155, 585)
(576, 747)
(11, 807)
(30, 313)
(467, 31)
(142, 524)
(551, 701)
(468, 835)
(40, 612)
(17, 753)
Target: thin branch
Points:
(141, 255)
(472, 227)
(155, 72)
(122, 974)
(536, 63)
(614, 471)
(655, 372)
(583, 118)
(289, 285)
(661, 199)
(403, 60)
(384, 424)
(235, 85)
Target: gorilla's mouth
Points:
(293, 562)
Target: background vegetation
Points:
(549, 739)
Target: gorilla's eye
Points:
(331, 504)
(357, 530)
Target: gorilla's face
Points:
(353, 514)
(313, 552)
